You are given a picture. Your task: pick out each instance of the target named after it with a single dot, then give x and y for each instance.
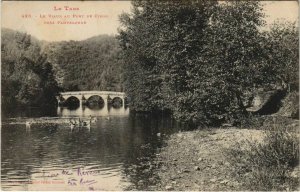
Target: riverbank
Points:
(198, 160)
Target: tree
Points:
(158, 40)
(232, 59)
(27, 77)
(203, 54)
(282, 54)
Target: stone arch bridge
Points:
(84, 96)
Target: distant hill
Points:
(91, 64)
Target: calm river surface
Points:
(114, 154)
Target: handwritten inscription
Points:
(50, 175)
(72, 182)
(75, 177)
(82, 172)
(66, 172)
(82, 181)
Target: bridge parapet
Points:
(93, 93)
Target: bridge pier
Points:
(123, 102)
(105, 101)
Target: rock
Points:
(294, 124)
(197, 168)
(168, 187)
(164, 168)
(213, 180)
(174, 182)
(295, 114)
(200, 159)
(140, 182)
(242, 165)
(294, 174)
(225, 181)
(158, 134)
(226, 125)
(233, 184)
(247, 174)
(151, 179)
(196, 186)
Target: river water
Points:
(115, 153)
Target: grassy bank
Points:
(232, 159)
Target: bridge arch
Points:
(72, 102)
(117, 102)
(95, 101)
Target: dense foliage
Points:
(26, 76)
(282, 54)
(92, 64)
(161, 42)
(200, 59)
(268, 164)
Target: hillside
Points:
(91, 64)
(26, 76)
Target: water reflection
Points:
(116, 151)
(85, 111)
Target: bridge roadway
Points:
(93, 93)
(81, 95)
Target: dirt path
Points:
(196, 160)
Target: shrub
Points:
(250, 121)
(266, 165)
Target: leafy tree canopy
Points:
(199, 59)
(92, 64)
(27, 76)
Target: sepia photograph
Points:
(150, 95)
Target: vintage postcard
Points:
(188, 95)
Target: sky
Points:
(101, 17)
(281, 9)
